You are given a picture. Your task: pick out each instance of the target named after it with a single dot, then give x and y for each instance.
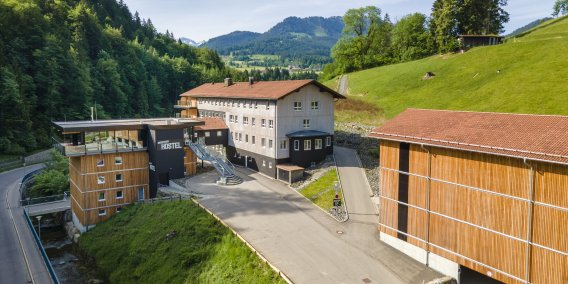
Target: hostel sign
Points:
(169, 145)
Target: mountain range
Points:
(191, 42)
(307, 40)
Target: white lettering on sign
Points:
(170, 146)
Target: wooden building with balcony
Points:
(113, 163)
(481, 193)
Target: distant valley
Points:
(300, 43)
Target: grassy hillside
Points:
(527, 74)
(132, 247)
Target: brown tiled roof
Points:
(538, 137)
(211, 123)
(272, 90)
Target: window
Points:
(253, 121)
(100, 163)
(307, 145)
(283, 144)
(315, 105)
(267, 105)
(296, 145)
(207, 134)
(119, 194)
(101, 179)
(246, 138)
(271, 123)
(263, 122)
(118, 177)
(253, 140)
(101, 196)
(102, 212)
(118, 209)
(328, 141)
(250, 104)
(219, 133)
(263, 142)
(141, 193)
(240, 137)
(297, 106)
(231, 118)
(236, 119)
(306, 123)
(263, 163)
(245, 120)
(255, 104)
(318, 144)
(118, 160)
(270, 143)
(270, 165)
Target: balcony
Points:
(185, 104)
(71, 146)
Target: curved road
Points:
(20, 259)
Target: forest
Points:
(59, 58)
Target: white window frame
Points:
(267, 105)
(263, 142)
(101, 180)
(116, 176)
(296, 145)
(100, 162)
(328, 141)
(263, 163)
(270, 144)
(207, 134)
(245, 120)
(255, 104)
(270, 165)
(306, 123)
(253, 140)
(104, 196)
(118, 160)
(102, 212)
(118, 209)
(307, 145)
(297, 106)
(253, 121)
(236, 119)
(246, 138)
(315, 105)
(263, 123)
(121, 194)
(240, 137)
(283, 144)
(270, 123)
(219, 133)
(318, 144)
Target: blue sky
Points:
(201, 20)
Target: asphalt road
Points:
(20, 259)
(306, 244)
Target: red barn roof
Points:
(537, 137)
(272, 90)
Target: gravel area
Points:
(355, 136)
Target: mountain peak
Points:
(191, 42)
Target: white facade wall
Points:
(285, 119)
(290, 120)
(256, 109)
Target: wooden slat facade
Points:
(84, 173)
(475, 209)
(189, 161)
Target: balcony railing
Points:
(185, 104)
(68, 149)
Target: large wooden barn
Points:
(481, 193)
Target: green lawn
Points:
(524, 75)
(131, 247)
(323, 185)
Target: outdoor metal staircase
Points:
(223, 166)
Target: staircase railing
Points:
(224, 167)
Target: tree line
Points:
(370, 39)
(58, 58)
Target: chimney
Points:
(251, 80)
(228, 82)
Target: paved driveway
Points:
(300, 239)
